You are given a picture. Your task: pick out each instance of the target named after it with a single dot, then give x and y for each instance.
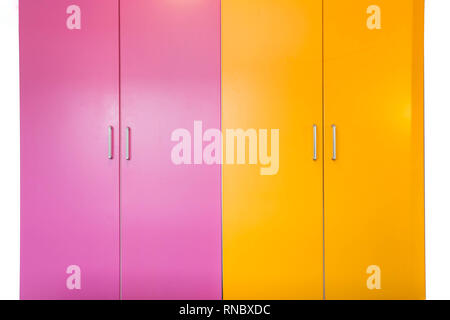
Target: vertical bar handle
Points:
(110, 142)
(334, 142)
(127, 152)
(315, 142)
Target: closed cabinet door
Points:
(69, 149)
(374, 207)
(170, 172)
(272, 175)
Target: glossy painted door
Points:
(374, 190)
(69, 186)
(272, 80)
(171, 213)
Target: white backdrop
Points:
(437, 148)
(9, 150)
(437, 137)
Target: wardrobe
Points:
(107, 86)
(344, 216)
(105, 212)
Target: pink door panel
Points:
(171, 214)
(69, 62)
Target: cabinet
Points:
(342, 80)
(128, 106)
(171, 214)
(374, 190)
(69, 187)
(272, 80)
(105, 212)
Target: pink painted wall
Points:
(171, 215)
(69, 187)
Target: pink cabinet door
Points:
(171, 214)
(69, 61)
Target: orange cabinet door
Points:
(374, 188)
(272, 212)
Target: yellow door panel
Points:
(272, 79)
(374, 190)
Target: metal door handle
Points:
(110, 142)
(334, 142)
(315, 142)
(127, 152)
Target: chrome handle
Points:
(127, 152)
(110, 142)
(315, 142)
(334, 142)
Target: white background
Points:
(437, 141)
